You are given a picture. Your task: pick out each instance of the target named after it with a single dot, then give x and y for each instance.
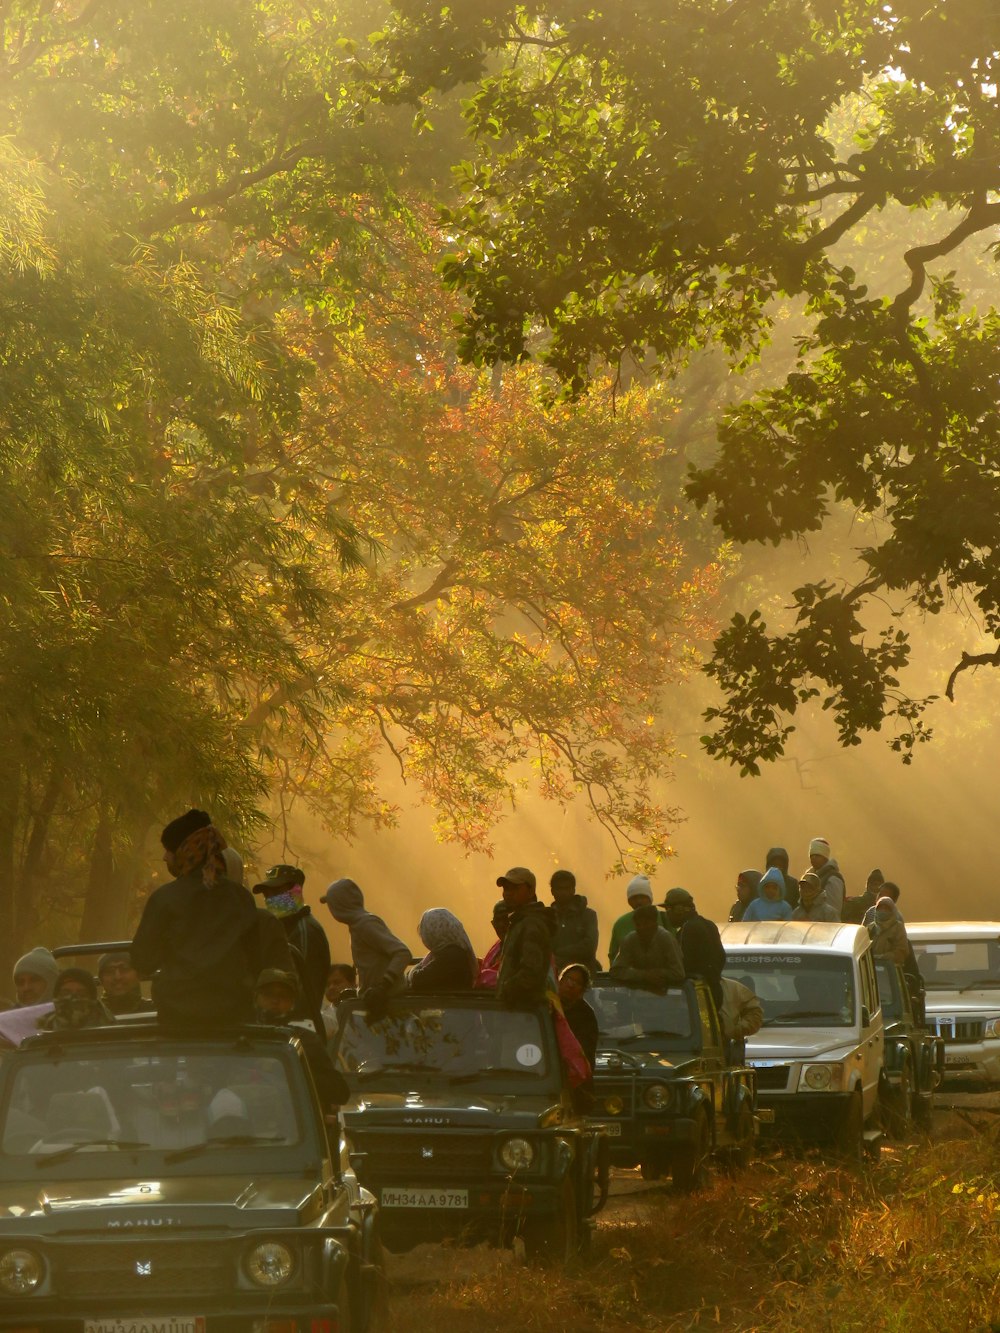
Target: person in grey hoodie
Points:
(829, 874)
(379, 957)
(814, 905)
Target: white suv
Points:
(819, 1054)
(960, 964)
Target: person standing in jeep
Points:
(830, 878)
(282, 891)
(526, 956)
(198, 935)
(576, 924)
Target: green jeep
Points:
(913, 1061)
(154, 1182)
(665, 1092)
(462, 1126)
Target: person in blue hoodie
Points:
(770, 905)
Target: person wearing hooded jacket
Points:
(198, 935)
(576, 928)
(777, 858)
(380, 958)
(770, 905)
(450, 963)
(888, 933)
(747, 882)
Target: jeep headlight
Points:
(516, 1154)
(614, 1105)
(991, 1028)
(819, 1078)
(657, 1096)
(21, 1271)
(270, 1264)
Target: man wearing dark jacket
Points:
(526, 957)
(575, 924)
(122, 990)
(282, 891)
(699, 939)
(198, 936)
(650, 956)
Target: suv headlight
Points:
(657, 1096)
(991, 1028)
(21, 1271)
(820, 1078)
(270, 1264)
(516, 1154)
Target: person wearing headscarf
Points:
(450, 962)
(34, 977)
(75, 1003)
(380, 958)
(889, 933)
(198, 936)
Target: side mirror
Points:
(866, 1018)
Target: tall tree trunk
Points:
(8, 839)
(29, 881)
(114, 864)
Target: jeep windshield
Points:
(84, 1108)
(630, 1016)
(958, 964)
(443, 1043)
(798, 989)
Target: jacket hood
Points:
(577, 903)
(345, 900)
(776, 854)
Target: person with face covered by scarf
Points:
(281, 889)
(450, 962)
(198, 937)
(76, 1003)
(889, 937)
(380, 958)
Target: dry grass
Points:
(788, 1246)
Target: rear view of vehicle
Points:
(960, 964)
(819, 1053)
(461, 1126)
(663, 1093)
(165, 1184)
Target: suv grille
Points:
(403, 1157)
(154, 1267)
(772, 1078)
(953, 1029)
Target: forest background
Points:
(285, 519)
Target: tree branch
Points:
(970, 660)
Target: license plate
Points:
(176, 1323)
(959, 1060)
(397, 1198)
(613, 1128)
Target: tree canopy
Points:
(650, 178)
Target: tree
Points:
(650, 179)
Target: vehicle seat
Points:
(75, 1116)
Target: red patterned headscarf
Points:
(204, 848)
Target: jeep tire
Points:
(688, 1168)
(555, 1239)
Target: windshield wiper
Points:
(801, 1013)
(979, 981)
(228, 1141)
(412, 1068)
(652, 1032)
(61, 1154)
(493, 1069)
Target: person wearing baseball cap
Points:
(638, 893)
(813, 902)
(281, 889)
(829, 874)
(700, 941)
(526, 954)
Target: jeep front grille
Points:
(956, 1030)
(413, 1156)
(154, 1267)
(772, 1078)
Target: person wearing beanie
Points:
(198, 936)
(120, 986)
(770, 905)
(34, 977)
(778, 856)
(747, 882)
(281, 889)
(830, 877)
(638, 893)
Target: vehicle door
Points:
(872, 1036)
(710, 1068)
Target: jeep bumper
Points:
(972, 1062)
(810, 1116)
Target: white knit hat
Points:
(638, 885)
(819, 847)
(39, 963)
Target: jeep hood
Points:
(142, 1207)
(799, 1044)
(973, 1004)
(464, 1107)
